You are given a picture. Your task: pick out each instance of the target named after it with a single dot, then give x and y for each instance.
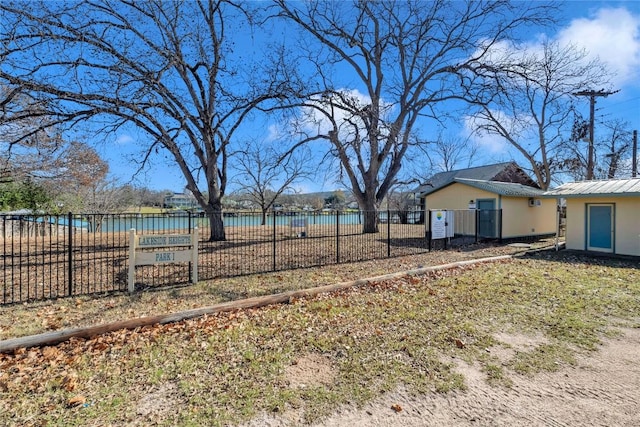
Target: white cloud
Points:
(612, 35)
(124, 139)
(274, 133)
(488, 143)
(352, 99)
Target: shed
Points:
(602, 216)
(495, 201)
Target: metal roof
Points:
(611, 187)
(502, 188)
(494, 172)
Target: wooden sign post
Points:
(165, 242)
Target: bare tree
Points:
(402, 201)
(26, 150)
(612, 150)
(526, 98)
(96, 201)
(574, 159)
(264, 174)
(79, 182)
(448, 153)
(38, 160)
(616, 146)
(380, 67)
(162, 66)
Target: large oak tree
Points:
(165, 67)
(377, 68)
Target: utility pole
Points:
(592, 94)
(634, 163)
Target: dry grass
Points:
(42, 316)
(227, 368)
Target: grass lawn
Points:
(225, 369)
(147, 210)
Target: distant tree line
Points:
(70, 178)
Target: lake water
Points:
(180, 222)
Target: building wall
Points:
(457, 196)
(626, 223)
(518, 219)
(575, 237)
(180, 201)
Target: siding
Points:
(457, 196)
(626, 223)
(519, 219)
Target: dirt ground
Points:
(602, 389)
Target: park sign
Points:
(150, 249)
(153, 241)
(441, 224)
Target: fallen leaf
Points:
(70, 382)
(396, 407)
(50, 353)
(76, 400)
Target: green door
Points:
(487, 218)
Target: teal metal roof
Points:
(610, 187)
(502, 188)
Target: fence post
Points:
(388, 233)
(131, 277)
(337, 237)
(430, 231)
(194, 255)
(191, 267)
(477, 215)
(446, 228)
(274, 241)
(70, 254)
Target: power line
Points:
(629, 108)
(617, 104)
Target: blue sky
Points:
(609, 30)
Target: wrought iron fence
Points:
(51, 256)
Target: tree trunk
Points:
(404, 216)
(264, 217)
(216, 225)
(370, 213)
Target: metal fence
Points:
(471, 225)
(51, 256)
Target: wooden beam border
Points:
(56, 337)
